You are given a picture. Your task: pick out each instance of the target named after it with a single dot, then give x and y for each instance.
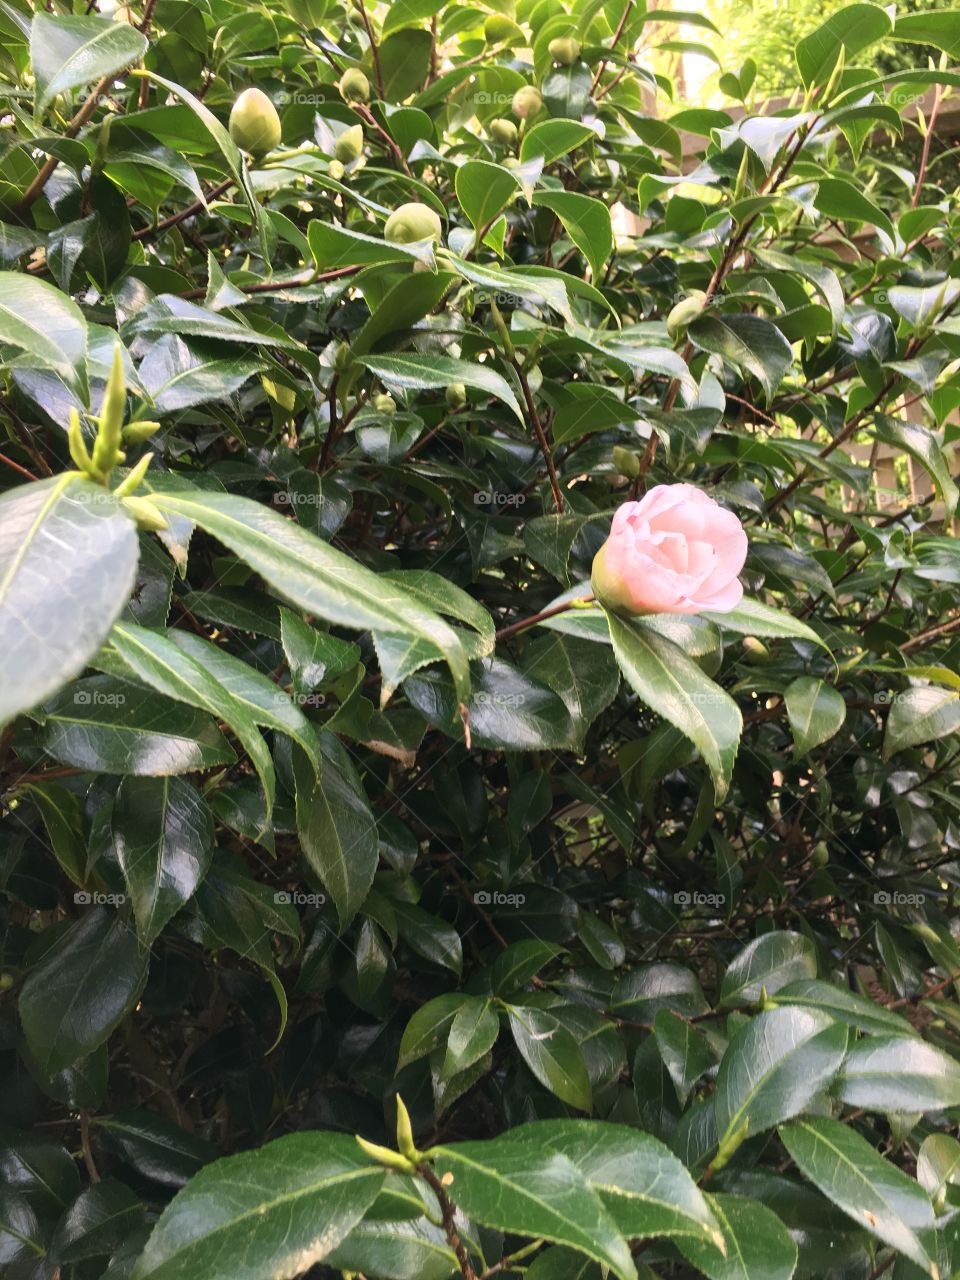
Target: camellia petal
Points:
(675, 551)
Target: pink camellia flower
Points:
(674, 551)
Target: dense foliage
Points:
(334, 805)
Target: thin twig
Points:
(540, 434)
(375, 52)
(449, 1212)
(925, 156)
(73, 128)
(85, 1147)
(190, 211)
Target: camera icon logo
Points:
(82, 697)
(82, 898)
(682, 898)
(282, 898)
(482, 898)
(882, 898)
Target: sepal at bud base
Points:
(383, 1155)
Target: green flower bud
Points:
(336, 170)
(148, 518)
(858, 549)
(383, 1155)
(405, 1144)
(686, 311)
(626, 461)
(499, 28)
(527, 101)
(137, 432)
(349, 145)
(412, 222)
(820, 855)
(384, 403)
(254, 123)
(565, 50)
(78, 447)
(131, 482)
(106, 447)
(754, 652)
(354, 86)
(504, 132)
(456, 395)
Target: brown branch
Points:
(374, 51)
(532, 621)
(15, 466)
(540, 434)
(613, 44)
(367, 115)
(449, 1212)
(267, 286)
(190, 211)
(925, 156)
(85, 1147)
(73, 128)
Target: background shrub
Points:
(326, 785)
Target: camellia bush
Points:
(478, 624)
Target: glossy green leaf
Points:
(113, 726)
(767, 964)
(80, 991)
(46, 325)
(552, 1054)
(773, 1069)
(645, 1188)
(67, 52)
(899, 1073)
(868, 1188)
(338, 831)
(675, 687)
(747, 342)
(815, 710)
(277, 1210)
(757, 1246)
(417, 373)
(520, 1187)
(585, 220)
(68, 554)
(163, 837)
(312, 574)
(484, 190)
(922, 713)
